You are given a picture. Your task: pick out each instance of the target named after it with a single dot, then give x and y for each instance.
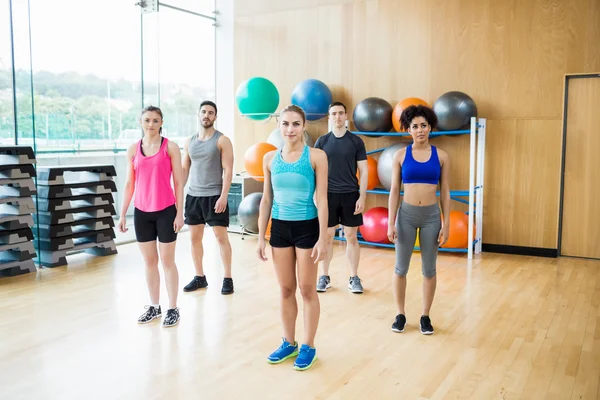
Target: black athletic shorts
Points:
(156, 224)
(300, 234)
(201, 210)
(341, 209)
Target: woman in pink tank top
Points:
(155, 178)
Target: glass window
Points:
(205, 7)
(87, 74)
(186, 78)
(22, 64)
(7, 125)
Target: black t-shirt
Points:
(342, 155)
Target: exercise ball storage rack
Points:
(474, 193)
(476, 131)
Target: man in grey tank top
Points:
(208, 162)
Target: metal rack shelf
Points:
(474, 193)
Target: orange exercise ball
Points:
(268, 232)
(458, 237)
(402, 104)
(373, 177)
(253, 159)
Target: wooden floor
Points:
(507, 327)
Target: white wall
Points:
(225, 92)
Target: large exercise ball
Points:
(373, 180)
(253, 159)
(454, 111)
(401, 106)
(248, 212)
(276, 138)
(458, 235)
(375, 225)
(373, 114)
(385, 163)
(314, 97)
(257, 95)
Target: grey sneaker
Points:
(324, 283)
(354, 285)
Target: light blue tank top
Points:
(293, 188)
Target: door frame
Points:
(568, 78)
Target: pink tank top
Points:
(153, 190)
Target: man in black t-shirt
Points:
(345, 153)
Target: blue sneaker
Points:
(306, 358)
(285, 351)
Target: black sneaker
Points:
(398, 325)
(199, 282)
(227, 286)
(426, 328)
(151, 314)
(172, 318)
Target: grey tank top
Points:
(206, 171)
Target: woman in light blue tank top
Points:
(295, 198)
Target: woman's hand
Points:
(260, 249)
(122, 224)
(391, 233)
(178, 223)
(320, 250)
(444, 234)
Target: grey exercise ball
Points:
(373, 114)
(385, 162)
(248, 212)
(276, 139)
(454, 111)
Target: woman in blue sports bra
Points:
(421, 167)
(293, 175)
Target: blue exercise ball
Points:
(314, 97)
(454, 111)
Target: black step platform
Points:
(15, 222)
(75, 202)
(74, 212)
(76, 189)
(17, 186)
(62, 175)
(16, 155)
(17, 171)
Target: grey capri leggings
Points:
(427, 219)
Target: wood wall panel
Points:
(510, 56)
(581, 215)
(522, 182)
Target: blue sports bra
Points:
(421, 172)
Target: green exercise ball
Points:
(257, 95)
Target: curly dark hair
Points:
(412, 112)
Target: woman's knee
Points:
(168, 261)
(429, 271)
(151, 260)
(401, 270)
(287, 291)
(308, 290)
